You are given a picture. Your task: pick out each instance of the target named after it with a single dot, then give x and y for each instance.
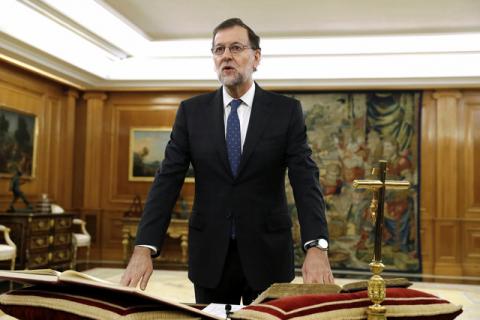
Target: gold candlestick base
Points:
(376, 292)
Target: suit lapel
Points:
(259, 117)
(219, 129)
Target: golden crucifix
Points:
(376, 284)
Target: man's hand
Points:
(139, 268)
(316, 267)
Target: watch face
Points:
(323, 244)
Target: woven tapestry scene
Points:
(349, 133)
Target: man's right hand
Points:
(139, 268)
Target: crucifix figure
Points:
(376, 284)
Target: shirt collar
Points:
(247, 98)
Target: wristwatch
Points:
(321, 244)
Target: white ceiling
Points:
(158, 44)
(167, 19)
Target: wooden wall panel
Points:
(125, 111)
(112, 236)
(471, 157)
(128, 117)
(94, 146)
(121, 112)
(470, 183)
(447, 143)
(24, 91)
(450, 182)
(427, 180)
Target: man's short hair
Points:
(232, 22)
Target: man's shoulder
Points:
(280, 101)
(200, 99)
(278, 97)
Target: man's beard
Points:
(231, 81)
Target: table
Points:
(178, 229)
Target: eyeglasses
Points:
(234, 49)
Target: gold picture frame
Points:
(147, 151)
(18, 141)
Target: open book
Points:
(76, 281)
(280, 290)
(39, 276)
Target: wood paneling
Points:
(450, 215)
(94, 144)
(113, 193)
(471, 156)
(26, 92)
(472, 242)
(447, 141)
(427, 185)
(125, 111)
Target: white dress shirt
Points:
(243, 111)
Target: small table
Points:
(178, 229)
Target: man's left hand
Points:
(316, 267)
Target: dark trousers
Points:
(233, 285)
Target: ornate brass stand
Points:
(376, 284)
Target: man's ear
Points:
(258, 58)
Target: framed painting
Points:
(146, 153)
(147, 150)
(18, 138)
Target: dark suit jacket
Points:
(255, 199)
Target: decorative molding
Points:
(72, 93)
(447, 94)
(47, 11)
(39, 62)
(95, 96)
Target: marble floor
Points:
(174, 285)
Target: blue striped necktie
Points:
(233, 138)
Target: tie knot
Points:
(235, 103)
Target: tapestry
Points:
(348, 134)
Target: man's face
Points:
(235, 70)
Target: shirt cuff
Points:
(154, 249)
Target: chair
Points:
(81, 239)
(8, 251)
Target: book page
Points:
(75, 278)
(47, 272)
(31, 276)
(218, 309)
(73, 275)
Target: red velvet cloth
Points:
(405, 304)
(59, 302)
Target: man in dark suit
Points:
(240, 141)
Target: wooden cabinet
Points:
(44, 240)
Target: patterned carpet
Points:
(174, 285)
